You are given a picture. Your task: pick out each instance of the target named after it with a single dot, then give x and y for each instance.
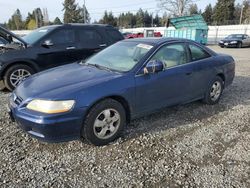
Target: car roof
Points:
(157, 40)
(76, 25)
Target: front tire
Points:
(15, 75)
(104, 122)
(214, 91)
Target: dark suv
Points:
(49, 47)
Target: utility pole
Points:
(241, 13)
(84, 12)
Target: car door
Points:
(169, 87)
(58, 48)
(90, 42)
(203, 71)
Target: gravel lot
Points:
(194, 145)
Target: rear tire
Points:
(239, 45)
(214, 91)
(15, 75)
(104, 122)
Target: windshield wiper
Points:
(99, 67)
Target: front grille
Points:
(18, 100)
(15, 100)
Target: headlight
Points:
(221, 41)
(51, 107)
(233, 42)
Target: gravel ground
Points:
(194, 145)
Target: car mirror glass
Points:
(153, 67)
(47, 43)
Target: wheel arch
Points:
(117, 98)
(222, 76)
(21, 62)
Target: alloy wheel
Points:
(216, 91)
(107, 123)
(18, 76)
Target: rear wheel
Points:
(104, 123)
(16, 74)
(214, 91)
(239, 45)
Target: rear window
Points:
(114, 35)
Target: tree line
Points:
(224, 12)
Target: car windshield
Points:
(234, 36)
(122, 56)
(35, 35)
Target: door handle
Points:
(103, 45)
(70, 48)
(188, 73)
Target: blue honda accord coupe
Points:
(95, 98)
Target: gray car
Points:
(235, 40)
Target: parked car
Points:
(235, 40)
(128, 35)
(49, 47)
(134, 35)
(95, 99)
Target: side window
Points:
(114, 35)
(90, 38)
(197, 53)
(64, 36)
(171, 55)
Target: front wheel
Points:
(214, 91)
(16, 74)
(104, 123)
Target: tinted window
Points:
(90, 38)
(114, 35)
(197, 53)
(171, 55)
(3, 41)
(37, 34)
(64, 36)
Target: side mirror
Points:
(47, 43)
(154, 67)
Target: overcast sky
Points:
(95, 7)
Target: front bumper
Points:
(49, 128)
(225, 44)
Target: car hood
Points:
(231, 39)
(55, 83)
(6, 33)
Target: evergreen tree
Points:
(15, 22)
(109, 18)
(207, 14)
(157, 20)
(57, 21)
(140, 18)
(193, 9)
(224, 12)
(72, 13)
(84, 10)
(38, 15)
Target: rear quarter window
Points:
(114, 35)
(197, 53)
